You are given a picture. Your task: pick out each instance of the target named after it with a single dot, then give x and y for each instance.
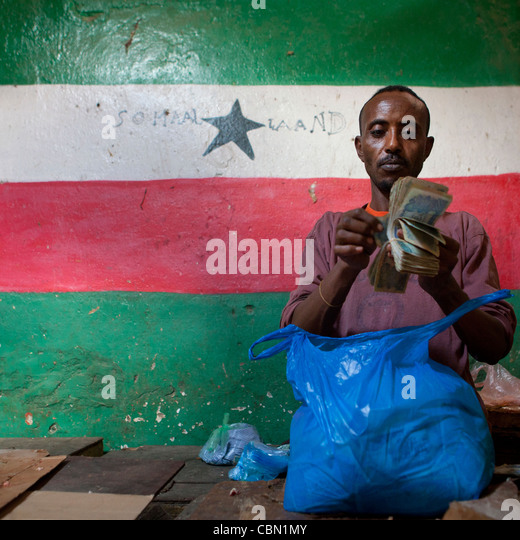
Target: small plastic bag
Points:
(226, 443)
(500, 388)
(260, 462)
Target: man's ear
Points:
(359, 149)
(429, 146)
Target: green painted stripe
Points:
(184, 354)
(425, 42)
(181, 356)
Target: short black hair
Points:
(397, 88)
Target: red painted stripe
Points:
(152, 235)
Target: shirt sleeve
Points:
(479, 274)
(323, 240)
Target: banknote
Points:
(422, 236)
(415, 206)
(384, 277)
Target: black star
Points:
(233, 128)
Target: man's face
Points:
(386, 146)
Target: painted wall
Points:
(134, 133)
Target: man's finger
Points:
(344, 237)
(360, 221)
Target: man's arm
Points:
(354, 243)
(484, 335)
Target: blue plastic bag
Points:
(362, 441)
(260, 462)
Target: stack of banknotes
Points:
(415, 206)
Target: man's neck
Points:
(379, 202)
(376, 213)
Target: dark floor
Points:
(198, 490)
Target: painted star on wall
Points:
(233, 128)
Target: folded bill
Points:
(415, 206)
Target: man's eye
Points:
(377, 132)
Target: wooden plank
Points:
(56, 446)
(21, 469)
(117, 476)
(197, 471)
(234, 500)
(173, 452)
(505, 430)
(52, 505)
(183, 493)
(159, 511)
(505, 417)
(508, 471)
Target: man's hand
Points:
(354, 244)
(483, 334)
(448, 257)
(355, 238)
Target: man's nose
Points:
(393, 143)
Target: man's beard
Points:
(385, 185)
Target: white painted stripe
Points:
(55, 132)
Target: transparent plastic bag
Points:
(500, 388)
(226, 443)
(261, 462)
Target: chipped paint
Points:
(312, 192)
(159, 415)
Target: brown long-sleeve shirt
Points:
(365, 310)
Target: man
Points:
(341, 301)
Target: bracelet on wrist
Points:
(328, 303)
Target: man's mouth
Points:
(392, 164)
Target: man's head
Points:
(393, 140)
